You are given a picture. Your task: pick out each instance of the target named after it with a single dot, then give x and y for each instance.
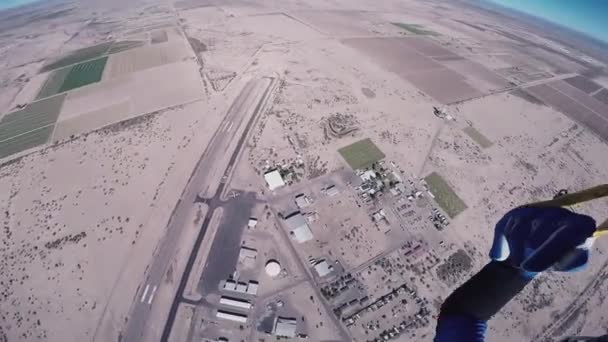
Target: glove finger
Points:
(500, 247)
(549, 220)
(572, 231)
(573, 261)
(576, 259)
(517, 230)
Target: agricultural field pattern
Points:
(205, 171)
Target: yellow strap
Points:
(579, 197)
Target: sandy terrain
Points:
(84, 215)
(76, 186)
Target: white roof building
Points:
(285, 327)
(298, 227)
(230, 285)
(252, 222)
(323, 268)
(231, 316)
(247, 253)
(368, 175)
(302, 201)
(235, 302)
(252, 288)
(241, 287)
(274, 179)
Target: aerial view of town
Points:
(248, 170)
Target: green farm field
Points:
(416, 29)
(26, 141)
(445, 197)
(84, 73)
(476, 135)
(73, 77)
(361, 154)
(78, 56)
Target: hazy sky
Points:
(586, 16)
(13, 3)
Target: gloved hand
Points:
(534, 239)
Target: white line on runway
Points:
(143, 297)
(229, 127)
(152, 295)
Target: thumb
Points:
(500, 246)
(576, 259)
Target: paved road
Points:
(224, 252)
(213, 203)
(344, 333)
(209, 171)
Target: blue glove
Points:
(534, 239)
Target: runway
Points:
(209, 174)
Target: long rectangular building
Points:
(231, 316)
(237, 303)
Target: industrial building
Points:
(330, 190)
(323, 268)
(252, 288)
(231, 316)
(298, 227)
(234, 286)
(235, 302)
(302, 201)
(285, 327)
(247, 253)
(274, 179)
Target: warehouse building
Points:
(298, 227)
(235, 302)
(285, 327)
(231, 316)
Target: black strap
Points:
(485, 293)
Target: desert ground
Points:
(135, 138)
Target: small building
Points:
(247, 253)
(252, 288)
(379, 215)
(241, 287)
(231, 316)
(331, 190)
(235, 302)
(302, 201)
(298, 227)
(285, 327)
(230, 285)
(252, 222)
(274, 179)
(323, 268)
(368, 175)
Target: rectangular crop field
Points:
(411, 58)
(159, 37)
(78, 56)
(476, 135)
(602, 96)
(53, 83)
(73, 77)
(416, 29)
(84, 73)
(578, 111)
(25, 141)
(361, 154)
(582, 83)
(445, 197)
(34, 116)
(125, 45)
